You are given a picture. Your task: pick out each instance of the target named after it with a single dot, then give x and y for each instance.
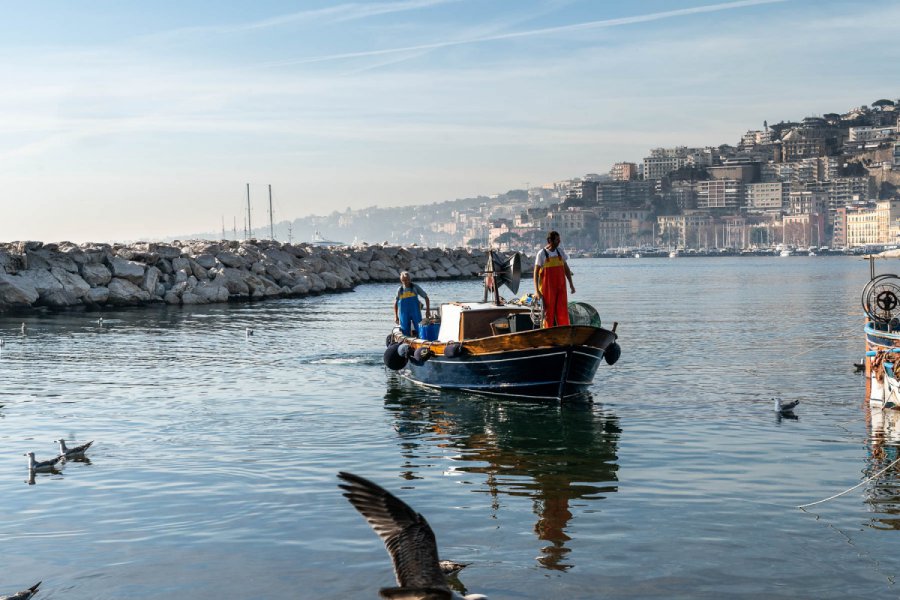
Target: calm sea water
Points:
(213, 469)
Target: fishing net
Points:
(581, 313)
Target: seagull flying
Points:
(408, 539)
(43, 465)
(785, 408)
(72, 452)
(450, 568)
(24, 594)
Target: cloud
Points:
(546, 31)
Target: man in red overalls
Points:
(551, 270)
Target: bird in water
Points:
(2, 343)
(249, 332)
(785, 408)
(100, 321)
(75, 452)
(860, 366)
(24, 594)
(43, 465)
(24, 329)
(409, 541)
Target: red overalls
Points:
(553, 291)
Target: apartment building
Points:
(624, 171)
(804, 230)
(769, 197)
(871, 134)
(873, 224)
(725, 194)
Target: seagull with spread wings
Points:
(408, 539)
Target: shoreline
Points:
(91, 276)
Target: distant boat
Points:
(785, 252)
(318, 240)
(673, 253)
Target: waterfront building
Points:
(804, 230)
(873, 224)
(839, 228)
(683, 230)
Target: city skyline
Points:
(142, 122)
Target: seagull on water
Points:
(408, 539)
(249, 332)
(100, 321)
(24, 329)
(785, 408)
(24, 594)
(43, 465)
(72, 452)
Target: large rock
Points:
(95, 274)
(126, 269)
(16, 292)
(229, 259)
(123, 292)
(96, 295)
(151, 279)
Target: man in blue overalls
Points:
(407, 313)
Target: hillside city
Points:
(827, 181)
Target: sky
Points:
(126, 120)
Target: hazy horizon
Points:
(135, 121)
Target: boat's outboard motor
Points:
(394, 358)
(612, 354)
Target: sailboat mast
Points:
(271, 223)
(249, 225)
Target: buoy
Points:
(612, 354)
(392, 358)
(453, 350)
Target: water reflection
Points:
(883, 492)
(553, 454)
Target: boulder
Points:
(95, 274)
(126, 269)
(151, 279)
(207, 261)
(96, 295)
(229, 259)
(16, 292)
(123, 292)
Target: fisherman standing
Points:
(551, 270)
(407, 312)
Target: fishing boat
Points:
(881, 303)
(498, 347)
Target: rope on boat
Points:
(864, 481)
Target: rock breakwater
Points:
(67, 275)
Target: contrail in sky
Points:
(606, 23)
